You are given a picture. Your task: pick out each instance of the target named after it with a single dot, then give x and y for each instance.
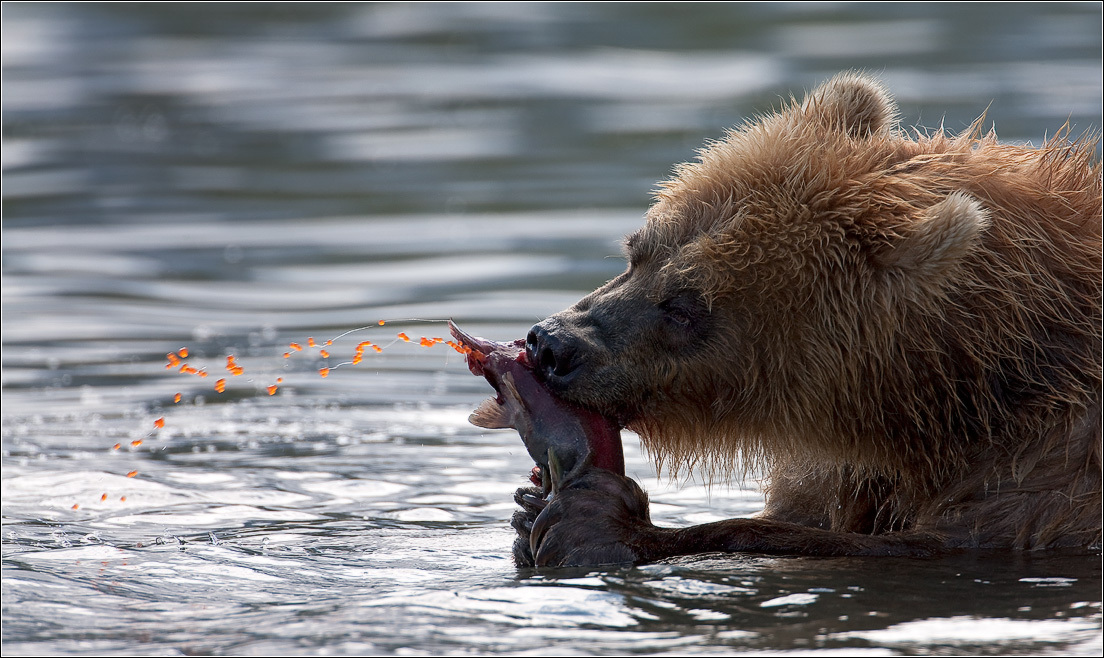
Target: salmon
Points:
(562, 438)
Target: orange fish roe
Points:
(279, 380)
(220, 385)
(359, 356)
(404, 337)
(233, 367)
(310, 342)
(135, 443)
(176, 398)
(328, 343)
(116, 446)
(122, 499)
(296, 346)
(324, 372)
(76, 506)
(159, 423)
(103, 498)
(381, 323)
(173, 359)
(287, 355)
(272, 389)
(324, 354)
(183, 352)
(132, 474)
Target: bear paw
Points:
(597, 517)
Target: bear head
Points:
(789, 295)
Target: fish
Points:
(562, 438)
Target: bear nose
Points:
(551, 354)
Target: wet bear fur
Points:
(901, 332)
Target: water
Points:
(232, 179)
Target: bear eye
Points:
(677, 312)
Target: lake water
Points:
(232, 179)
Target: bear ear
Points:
(852, 103)
(939, 239)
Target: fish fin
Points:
(491, 415)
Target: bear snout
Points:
(553, 351)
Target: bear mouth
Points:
(547, 423)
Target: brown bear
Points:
(902, 333)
